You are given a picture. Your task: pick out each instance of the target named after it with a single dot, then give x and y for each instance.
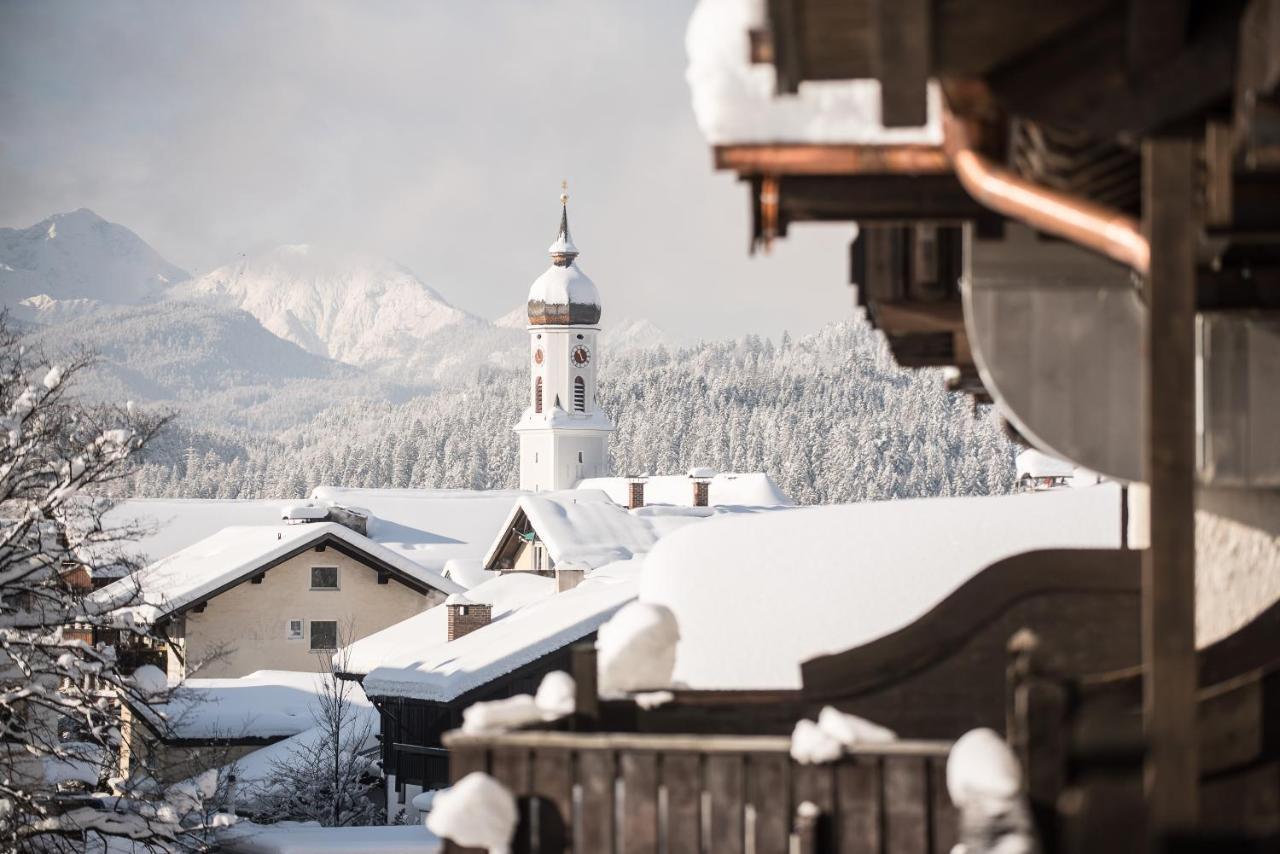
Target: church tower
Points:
(564, 435)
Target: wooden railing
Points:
(645, 794)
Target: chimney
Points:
(304, 513)
(701, 479)
(569, 576)
(466, 616)
(635, 493)
(353, 519)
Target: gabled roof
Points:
(445, 672)
(582, 527)
(427, 526)
(408, 642)
(233, 555)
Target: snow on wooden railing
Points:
(639, 792)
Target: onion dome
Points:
(564, 295)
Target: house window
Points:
(294, 630)
(324, 578)
(537, 395)
(324, 635)
(579, 456)
(579, 394)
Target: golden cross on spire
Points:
(564, 192)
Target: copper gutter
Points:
(1114, 234)
(826, 159)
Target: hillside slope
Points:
(356, 309)
(80, 255)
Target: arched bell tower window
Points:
(579, 395)
(537, 395)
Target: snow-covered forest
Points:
(829, 416)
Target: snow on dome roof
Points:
(564, 294)
(734, 100)
(877, 565)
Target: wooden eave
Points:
(509, 541)
(975, 604)
(339, 545)
(778, 159)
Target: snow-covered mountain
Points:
(357, 309)
(79, 255)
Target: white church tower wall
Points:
(564, 435)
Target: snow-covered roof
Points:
(232, 555)
(735, 100)
(445, 672)
(564, 286)
(405, 644)
(263, 704)
(289, 837)
(169, 525)
(1039, 464)
(837, 577)
(469, 572)
(579, 526)
(257, 770)
(726, 489)
(428, 526)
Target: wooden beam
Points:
(1157, 31)
(1168, 564)
(805, 159)
(906, 317)
(902, 41)
(785, 45)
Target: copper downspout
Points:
(1095, 226)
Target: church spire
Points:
(563, 251)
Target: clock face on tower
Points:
(537, 356)
(581, 356)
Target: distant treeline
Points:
(829, 416)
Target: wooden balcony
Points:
(644, 793)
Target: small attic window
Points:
(324, 578)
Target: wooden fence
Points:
(652, 794)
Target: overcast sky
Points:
(433, 133)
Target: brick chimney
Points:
(701, 492)
(635, 493)
(466, 616)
